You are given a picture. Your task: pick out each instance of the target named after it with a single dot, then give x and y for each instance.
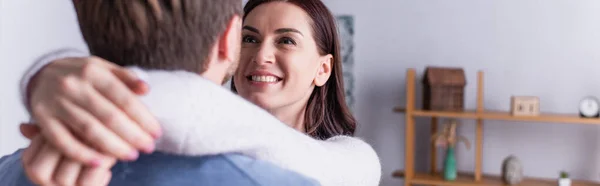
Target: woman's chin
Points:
(262, 101)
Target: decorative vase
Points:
(564, 182)
(450, 165)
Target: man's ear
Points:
(324, 71)
(229, 42)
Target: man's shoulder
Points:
(11, 170)
(266, 173)
(225, 169)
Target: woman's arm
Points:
(199, 117)
(40, 63)
(74, 99)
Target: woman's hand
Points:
(45, 165)
(87, 107)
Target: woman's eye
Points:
(249, 39)
(287, 41)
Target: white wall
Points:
(28, 29)
(523, 46)
(546, 48)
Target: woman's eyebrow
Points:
(278, 31)
(284, 30)
(252, 29)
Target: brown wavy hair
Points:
(327, 114)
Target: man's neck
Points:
(213, 76)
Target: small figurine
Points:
(512, 170)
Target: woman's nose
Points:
(265, 55)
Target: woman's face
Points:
(279, 62)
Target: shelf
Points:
(480, 114)
(466, 179)
(505, 116)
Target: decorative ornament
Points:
(512, 170)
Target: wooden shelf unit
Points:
(505, 116)
(479, 114)
(466, 179)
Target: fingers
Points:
(99, 175)
(44, 165)
(127, 100)
(100, 136)
(111, 102)
(89, 114)
(49, 167)
(33, 149)
(131, 80)
(67, 172)
(41, 168)
(29, 130)
(141, 88)
(107, 178)
(93, 176)
(58, 135)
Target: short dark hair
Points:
(155, 34)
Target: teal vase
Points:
(450, 165)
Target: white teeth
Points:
(268, 79)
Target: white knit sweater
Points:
(199, 117)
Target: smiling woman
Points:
(291, 66)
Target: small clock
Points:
(589, 107)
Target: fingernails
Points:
(142, 86)
(150, 148)
(133, 156)
(157, 134)
(96, 162)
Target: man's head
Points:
(201, 36)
